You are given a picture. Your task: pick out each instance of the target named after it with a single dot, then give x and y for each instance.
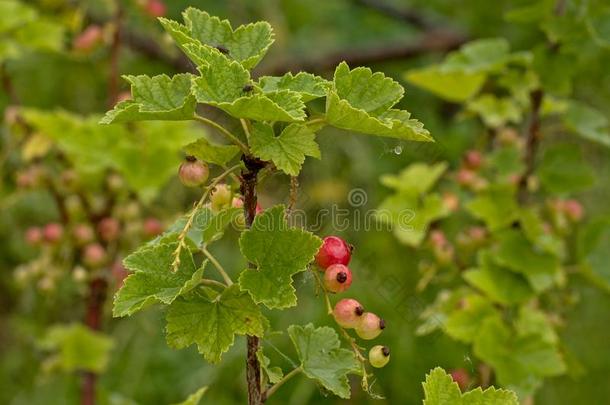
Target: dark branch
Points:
(406, 15)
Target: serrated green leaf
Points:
(279, 252)
(534, 230)
(519, 361)
(496, 207)
(515, 252)
(78, 348)
(588, 122)
(208, 152)
(415, 179)
(247, 44)
(221, 84)
(152, 279)
(483, 55)
(454, 86)
(499, 284)
(155, 98)
(287, 150)
(322, 358)
(563, 169)
(309, 86)
(440, 389)
(212, 324)
(194, 398)
(360, 101)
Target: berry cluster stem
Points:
(193, 213)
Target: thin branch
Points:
(214, 283)
(401, 14)
(191, 216)
(218, 266)
(532, 136)
(281, 382)
(224, 131)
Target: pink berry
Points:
(94, 255)
(259, 209)
(109, 229)
(574, 210)
(237, 202)
(33, 235)
(337, 278)
(334, 250)
(461, 377)
(473, 159)
(451, 201)
(83, 233)
(438, 238)
(347, 313)
(370, 326)
(379, 356)
(88, 39)
(119, 273)
(193, 173)
(53, 232)
(152, 227)
(155, 8)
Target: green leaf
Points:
(499, 284)
(496, 207)
(594, 251)
(520, 361)
(288, 150)
(274, 374)
(563, 169)
(208, 226)
(533, 227)
(212, 323)
(279, 252)
(495, 112)
(78, 348)
(247, 44)
(152, 279)
(221, 84)
(465, 322)
(588, 122)
(307, 85)
(155, 98)
(194, 398)
(453, 86)
(440, 389)
(517, 253)
(360, 101)
(203, 150)
(415, 179)
(409, 217)
(322, 358)
(483, 55)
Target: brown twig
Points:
(249, 179)
(402, 14)
(532, 140)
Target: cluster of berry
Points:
(333, 257)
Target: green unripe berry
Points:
(379, 356)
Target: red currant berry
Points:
(379, 356)
(94, 255)
(155, 8)
(83, 234)
(461, 377)
(152, 227)
(193, 172)
(473, 159)
(53, 232)
(370, 326)
(109, 229)
(573, 210)
(337, 278)
(334, 250)
(347, 313)
(33, 235)
(87, 40)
